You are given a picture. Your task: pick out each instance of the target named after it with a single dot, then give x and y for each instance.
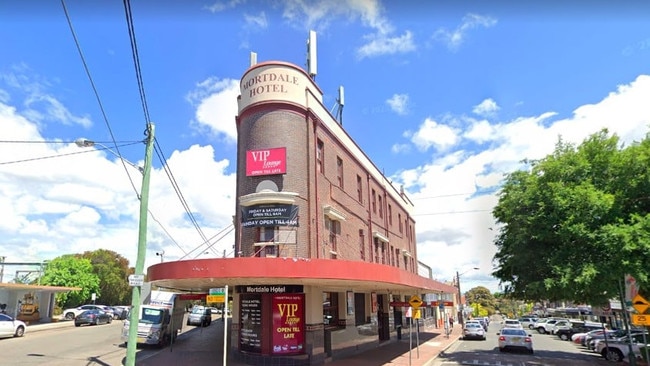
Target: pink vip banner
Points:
(266, 162)
(288, 324)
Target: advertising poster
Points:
(266, 162)
(269, 215)
(250, 327)
(288, 324)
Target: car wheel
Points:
(110, 320)
(613, 355)
(69, 316)
(531, 352)
(502, 349)
(541, 330)
(564, 337)
(77, 325)
(531, 326)
(20, 331)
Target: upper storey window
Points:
(339, 171)
(320, 151)
(359, 189)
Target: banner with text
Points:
(288, 324)
(269, 215)
(266, 162)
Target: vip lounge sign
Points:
(266, 162)
(269, 215)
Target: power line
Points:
(451, 212)
(136, 60)
(54, 156)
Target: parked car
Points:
(473, 331)
(618, 349)
(120, 312)
(70, 314)
(567, 332)
(527, 322)
(10, 327)
(200, 315)
(546, 327)
(515, 338)
(93, 317)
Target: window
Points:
(320, 156)
(334, 228)
(359, 189)
(362, 245)
(397, 257)
(339, 171)
(390, 215)
(374, 201)
(399, 219)
(381, 211)
(267, 243)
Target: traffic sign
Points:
(640, 304)
(638, 319)
(136, 280)
(415, 301)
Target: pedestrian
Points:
(451, 322)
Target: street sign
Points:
(415, 301)
(136, 280)
(640, 304)
(416, 313)
(638, 319)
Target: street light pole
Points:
(142, 248)
(461, 311)
(461, 319)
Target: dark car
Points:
(93, 317)
(565, 333)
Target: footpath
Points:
(199, 346)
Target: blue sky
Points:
(445, 97)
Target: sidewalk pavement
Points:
(199, 346)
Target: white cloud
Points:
(216, 106)
(383, 44)
(486, 108)
(434, 134)
(219, 6)
(399, 103)
(455, 38)
(447, 190)
(258, 21)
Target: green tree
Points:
(112, 270)
(576, 222)
(71, 271)
(483, 297)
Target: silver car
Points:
(513, 338)
(473, 331)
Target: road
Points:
(549, 351)
(71, 346)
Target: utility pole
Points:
(142, 248)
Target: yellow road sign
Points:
(416, 313)
(638, 319)
(215, 298)
(415, 301)
(640, 304)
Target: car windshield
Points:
(198, 310)
(151, 316)
(513, 332)
(472, 325)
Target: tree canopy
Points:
(482, 297)
(70, 270)
(112, 270)
(575, 222)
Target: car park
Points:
(10, 327)
(93, 317)
(515, 339)
(200, 315)
(547, 326)
(473, 331)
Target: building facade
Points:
(326, 256)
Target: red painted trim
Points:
(250, 270)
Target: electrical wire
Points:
(136, 59)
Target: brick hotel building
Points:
(326, 254)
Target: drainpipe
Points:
(372, 237)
